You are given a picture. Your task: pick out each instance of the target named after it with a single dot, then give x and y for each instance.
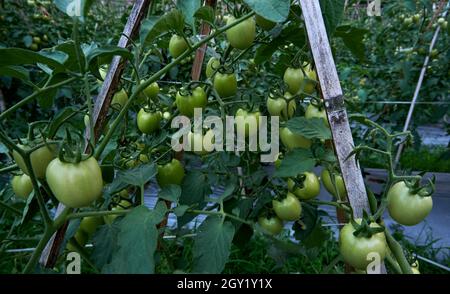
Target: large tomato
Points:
(171, 173)
(272, 225)
(356, 250)
(326, 180)
(405, 207)
(40, 158)
(186, 104)
(242, 35)
(177, 46)
(75, 184)
(279, 106)
(148, 122)
(22, 186)
(225, 84)
(288, 209)
(248, 119)
(310, 188)
(293, 77)
(292, 140)
(313, 111)
(212, 66)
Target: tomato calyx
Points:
(299, 181)
(363, 229)
(71, 150)
(415, 188)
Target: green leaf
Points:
(353, 40)
(72, 62)
(138, 176)
(274, 10)
(59, 119)
(314, 128)
(105, 244)
(155, 26)
(137, 241)
(295, 162)
(17, 56)
(46, 99)
(332, 11)
(180, 210)
(205, 13)
(212, 245)
(17, 72)
(108, 52)
(74, 8)
(189, 8)
(170, 193)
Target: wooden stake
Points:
(101, 107)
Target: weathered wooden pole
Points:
(101, 107)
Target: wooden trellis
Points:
(328, 79)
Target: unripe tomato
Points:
(177, 46)
(171, 173)
(45, 38)
(123, 205)
(242, 35)
(22, 186)
(293, 77)
(416, 18)
(40, 158)
(292, 140)
(75, 184)
(326, 180)
(444, 25)
(272, 225)
(167, 115)
(120, 99)
(186, 104)
(311, 187)
(37, 40)
(434, 53)
(312, 111)
(406, 208)
(148, 122)
(309, 84)
(265, 24)
(288, 209)
(212, 66)
(356, 250)
(89, 224)
(225, 84)
(34, 47)
(279, 107)
(407, 21)
(152, 90)
(248, 119)
(81, 238)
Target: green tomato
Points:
(40, 158)
(212, 66)
(187, 104)
(167, 115)
(356, 250)
(416, 18)
(120, 99)
(292, 140)
(177, 46)
(152, 91)
(89, 224)
(288, 209)
(272, 225)
(248, 118)
(37, 40)
(75, 184)
(148, 122)
(22, 186)
(310, 189)
(81, 238)
(293, 77)
(279, 107)
(171, 173)
(265, 24)
(312, 111)
(225, 84)
(407, 21)
(123, 205)
(326, 180)
(309, 84)
(406, 208)
(242, 35)
(34, 47)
